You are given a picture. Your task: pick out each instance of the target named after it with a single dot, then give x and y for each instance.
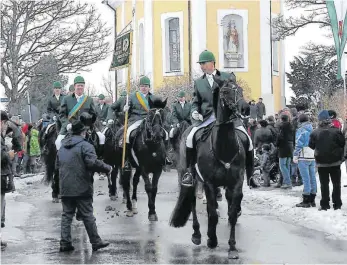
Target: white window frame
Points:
(273, 43)
(139, 22)
(221, 13)
(165, 49)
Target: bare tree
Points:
(319, 51)
(90, 90)
(72, 32)
(313, 12)
(107, 85)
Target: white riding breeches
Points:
(190, 137)
(102, 137)
(241, 128)
(132, 127)
(171, 132)
(58, 141)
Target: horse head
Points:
(230, 95)
(155, 120)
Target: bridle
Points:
(150, 123)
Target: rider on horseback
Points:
(54, 103)
(202, 108)
(138, 110)
(180, 112)
(73, 106)
(115, 111)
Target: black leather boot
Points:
(188, 178)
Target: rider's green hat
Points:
(123, 94)
(206, 56)
(71, 88)
(79, 80)
(101, 96)
(145, 81)
(181, 94)
(57, 84)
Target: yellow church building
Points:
(169, 35)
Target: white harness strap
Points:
(48, 127)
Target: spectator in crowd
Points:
(271, 127)
(262, 136)
(261, 110)
(252, 128)
(328, 143)
(276, 117)
(77, 162)
(33, 147)
(334, 121)
(304, 157)
(265, 164)
(285, 149)
(252, 110)
(294, 174)
(7, 184)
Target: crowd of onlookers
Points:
(302, 144)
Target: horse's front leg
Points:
(148, 187)
(234, 197)
(196, 236)
(136, 180)
(112, 187)
(212, 241)
(126, 178)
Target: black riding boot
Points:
(168, 161)
(188, 178)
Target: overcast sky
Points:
(100, 69)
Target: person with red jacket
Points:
(334, 121)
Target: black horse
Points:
(222, 157)
(149, 151)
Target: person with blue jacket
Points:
(304, 157)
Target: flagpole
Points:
(128, 92)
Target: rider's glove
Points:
(69, 127)
(126, 108)
(178, 125)
(110, 121)
(197, 116)
(54, 118)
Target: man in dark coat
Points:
(7, 184)
(272, 128)
(77, 162)
(328, 143)
(102, 108)
(261, 110)
(253, 110)
(73, 106)
(115, 111)
(262, 136)
(55, 101)
(285, 149)
(180, 112)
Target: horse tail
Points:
(183, 208)
(249, 165)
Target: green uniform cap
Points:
(206, 56)
(145, 81)
(181, 94)
(79, 80)
(71, 88)
(57, 84)
(124, 93)
(101, 96)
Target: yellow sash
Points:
(142, 101)
(77, 107)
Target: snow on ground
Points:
(281, 203)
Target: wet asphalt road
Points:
(33, 231)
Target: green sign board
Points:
(121, 54)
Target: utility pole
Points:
(115, 37)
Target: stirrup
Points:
(187, 180)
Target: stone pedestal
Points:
(233, 59)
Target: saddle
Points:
(120, 133)
(202, 134)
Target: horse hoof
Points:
(135, 211)
(153, 217)
(124, 201)
(212, 243)
(239, 214)
(233, 254)
(129, 213)
(113, 198)
(55, 200)
(196, 240)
